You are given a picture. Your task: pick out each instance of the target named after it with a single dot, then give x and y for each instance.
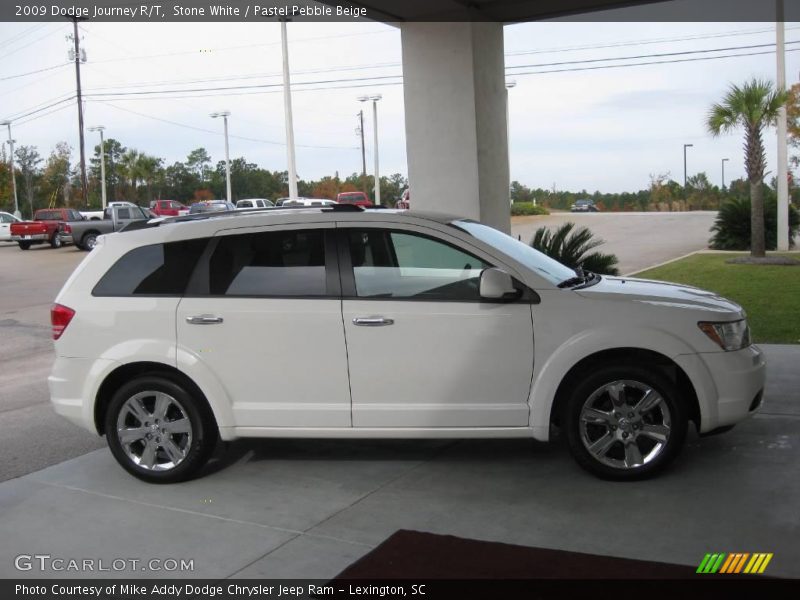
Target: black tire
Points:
(55, 241)
(89, 240)
(196, 448)
(666, 419)
(24, 245)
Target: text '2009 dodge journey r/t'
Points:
(189, 330)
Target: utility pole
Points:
(363, 151)
(100, 128)
(78, 59)
(13, 178)
(225, 114)
(724, 160)
(685, 179)
(287, 105)
(783, 157)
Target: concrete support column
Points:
(455, 108)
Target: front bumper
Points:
(729, 385)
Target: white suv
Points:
(172, 336)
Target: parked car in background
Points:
(6, 219)
(84, 233)
(254, 203)
(167, 208)
(97, 215)
(205, 206)
(584, 205)
(43, 228)
(357, 198)
(308, 202)
(170, 337)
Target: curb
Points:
(661, 264)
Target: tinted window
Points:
(394, 264)
(157, 270)
(280, 263)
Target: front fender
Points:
(552, 365)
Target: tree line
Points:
(139, 177)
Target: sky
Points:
(604, 129)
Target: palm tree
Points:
(752, 107)
(572, 247)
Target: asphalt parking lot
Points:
(639, 240)
(301, 508)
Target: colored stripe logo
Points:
(736, 562)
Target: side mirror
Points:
(497, 285)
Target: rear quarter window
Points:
(154, 270)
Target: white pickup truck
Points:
(98, 215)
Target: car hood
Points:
(662, 294)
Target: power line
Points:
(240, 47)
(644, 42)
(642, 64)
(7, 54)
(658, 55)
(33, 72)
(375, 78)
(249, 139)
(15, 38)
(23, 122)
(40, 107)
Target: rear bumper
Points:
(66, 238)
(35, 237)
(729, 385)
(73, 384)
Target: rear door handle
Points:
(204, 320)
(373, 321)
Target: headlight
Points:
(730, 335)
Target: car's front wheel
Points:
(625, 423)
(157, 431)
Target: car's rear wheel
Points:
(157, 431)
(24, 245)
(89, 241)
(625, 423)
(55, 241)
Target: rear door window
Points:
(275, 263)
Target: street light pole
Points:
(100, 128)
(724, 160)
(685, 179)
(287, 105)
(363, 151)
(375, 99)
(225, 114)
(11, 160)
(509, 84)
(783, 157)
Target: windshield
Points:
(545, 266)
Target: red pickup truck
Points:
(357, 198)
(43, 228)
(168, 208)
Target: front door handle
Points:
(373, 321)
(204, 320)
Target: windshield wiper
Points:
(581, 279)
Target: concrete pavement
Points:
(303, 508)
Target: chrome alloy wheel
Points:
(154, 431)
(625, 424)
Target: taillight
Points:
(60, 316)
(66, 228)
